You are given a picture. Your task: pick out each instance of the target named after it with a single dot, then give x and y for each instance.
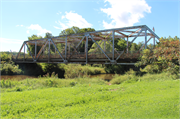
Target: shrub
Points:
(118, 79)
(51, 83)
(164, 58)
(72, 83)
(10, 68)
(6, 83)
(7, 66)
(18, 89)
(5, 57)
(77, 70)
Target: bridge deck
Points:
(81, 58)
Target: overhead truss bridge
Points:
(68, 48)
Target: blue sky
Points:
(23, 18)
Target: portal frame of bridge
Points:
(65, 55)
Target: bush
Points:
(77, 70)
(5, 57)
(164, 58)
(10, 68)
(51, 83)
(6, 83)
(129, 78)
(7, 66)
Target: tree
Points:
(164, 57)
(83, 30)
(120, 44)
(48, 35)
(134, 47)
(7, 66)
(69, 31)
(32, 47)
(75, 30)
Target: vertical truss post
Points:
(113, 45)
(104, 46)
(86, 49)
(154, 42)
(35, 49)
(153, 38)
(66, 48)
(127, 44)
(24, 52)
(145, 38)
(43, 52)
(55, 51)
(69, 49)
(49, 51)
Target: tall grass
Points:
(131, 76)
(153, 99)
(77, 70)
(46, 82)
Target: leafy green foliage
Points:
(32, 47)
(119, 69)
(164, 57)
(76, 70)
(120, 44)
(10, 68)
(75, 30)
(50, 68)
(7, 66)
(129, 76)
(5, 57)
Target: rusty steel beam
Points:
(74, 41)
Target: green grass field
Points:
(157, 98)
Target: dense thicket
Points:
(7, 66)
(163, 58)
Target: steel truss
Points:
(65, 49)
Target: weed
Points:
(153, 99)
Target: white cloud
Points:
(27, 31)
(56, 27)
(7, 44)
(14, 41)
(58, 13)
(19, 25)
(38, 28)
(72, 19)
(63, 17)
(125, 12)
